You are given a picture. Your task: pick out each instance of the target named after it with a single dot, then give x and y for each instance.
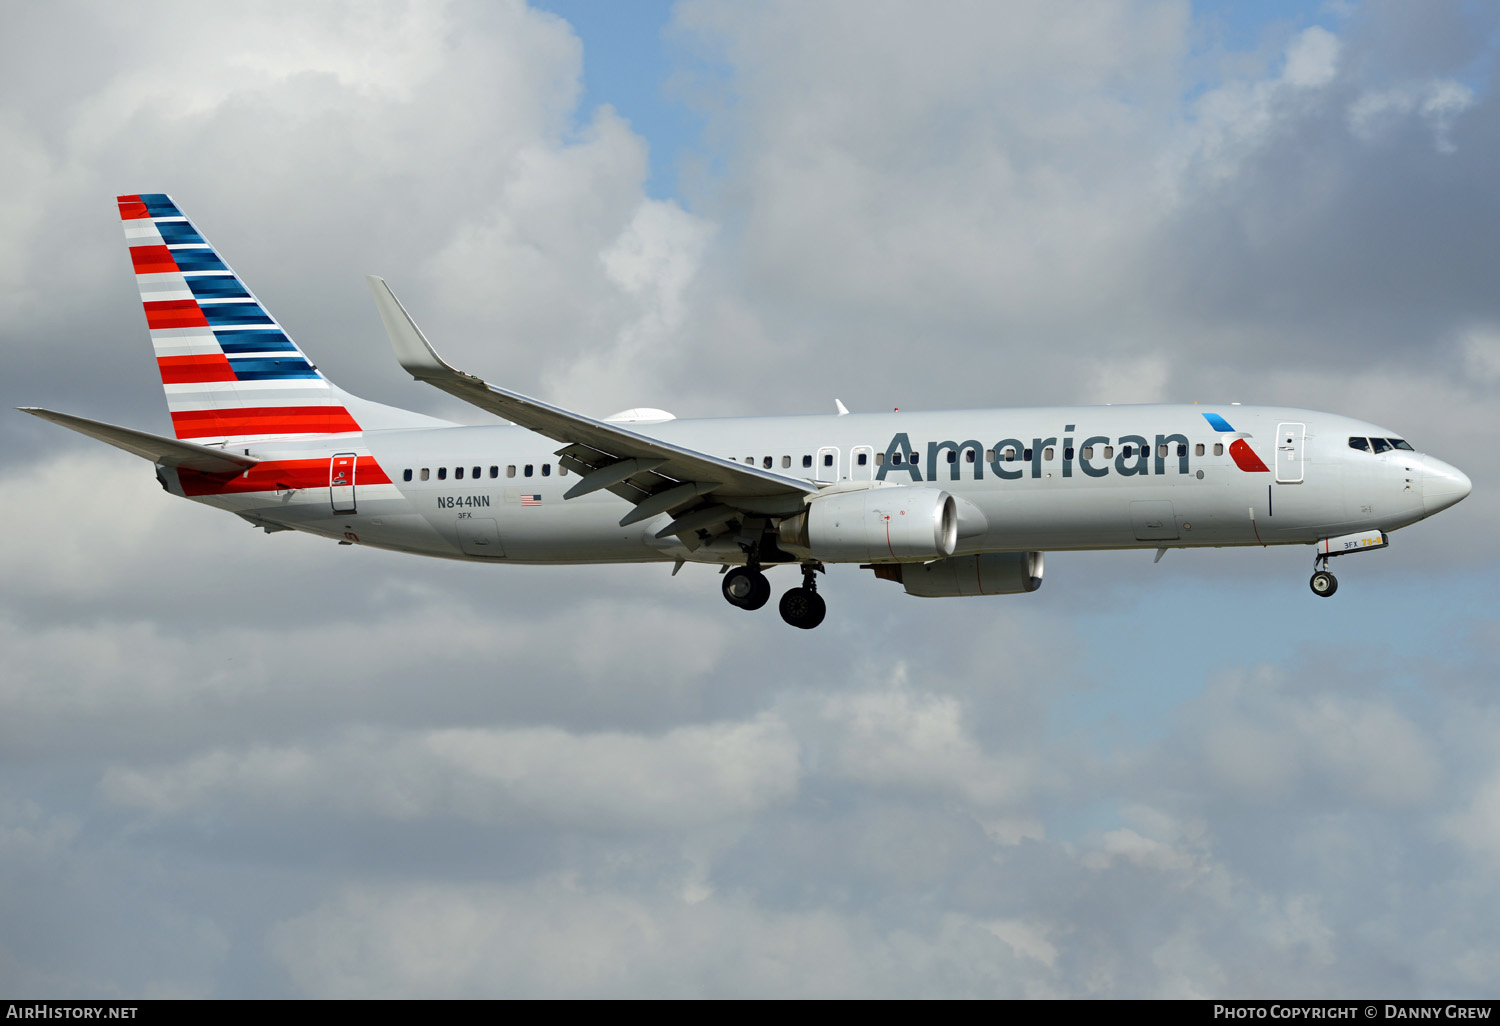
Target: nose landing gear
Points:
(1323, 583)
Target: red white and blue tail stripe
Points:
(229, 370)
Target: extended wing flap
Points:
(170, 452)
(592, 445)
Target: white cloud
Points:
(688, 777)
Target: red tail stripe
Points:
(269, 420)
(175, 313)
(183, 370)
(152, 260)
(279, 474)
(131, 208)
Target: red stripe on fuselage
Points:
(278, 475)
(266, 420)
(175, 313)
(1245, 458)
(131, 208)
(185, 370)
(152, 260)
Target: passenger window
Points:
(1010, 454)
(494, 472)
(968, 455)
(562, 471)
(1161, 450)
(527, 471)
(953, 456)
(807, 462)
(442, 473)
(1027, 454)
(476, 473)
(749, 461)
(1088, 452)
(880, 459)
(424, 473)
(1068, 452)
(895, 458)
(914, 460)
(406, 475)
(510, 470)
(1380, 445)
(989, 455)
(1181, 449)
(828, 459)
(1047, 453)
(1109, 452)
(864, 458)
(766, 462)
(458, 473)
(546, 470)
(1218, 448)
(786, 461)
(1198, 449)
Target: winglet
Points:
(843, 410)
(413, 350)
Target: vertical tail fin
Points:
(229, 370)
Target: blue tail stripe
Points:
(159, 205)
(218, 286)
(198, 260)
(234, 313)
(1217, 422)
(269, 368)
(256, 340)
(179, 233)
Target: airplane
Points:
(945, 504)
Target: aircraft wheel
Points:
(1323, 584)
(803, 608)
(746, 588)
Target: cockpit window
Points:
(1401, 443)
(1381, 445)
(1362, 444)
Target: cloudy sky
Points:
(233, 764)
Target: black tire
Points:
(803, 608)
(746, 588)
(1323, 584)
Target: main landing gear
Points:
(746, 587)
(1323, 583)
(804, 607)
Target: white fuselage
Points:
(1046, 478)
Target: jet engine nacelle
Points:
(875, 525)
(994, 573)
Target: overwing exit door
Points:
(341, 482)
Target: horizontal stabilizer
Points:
(169, 452)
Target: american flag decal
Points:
(531, 500)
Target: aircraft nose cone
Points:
(1442, 486)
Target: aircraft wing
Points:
(169, 452)
(702, 492)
